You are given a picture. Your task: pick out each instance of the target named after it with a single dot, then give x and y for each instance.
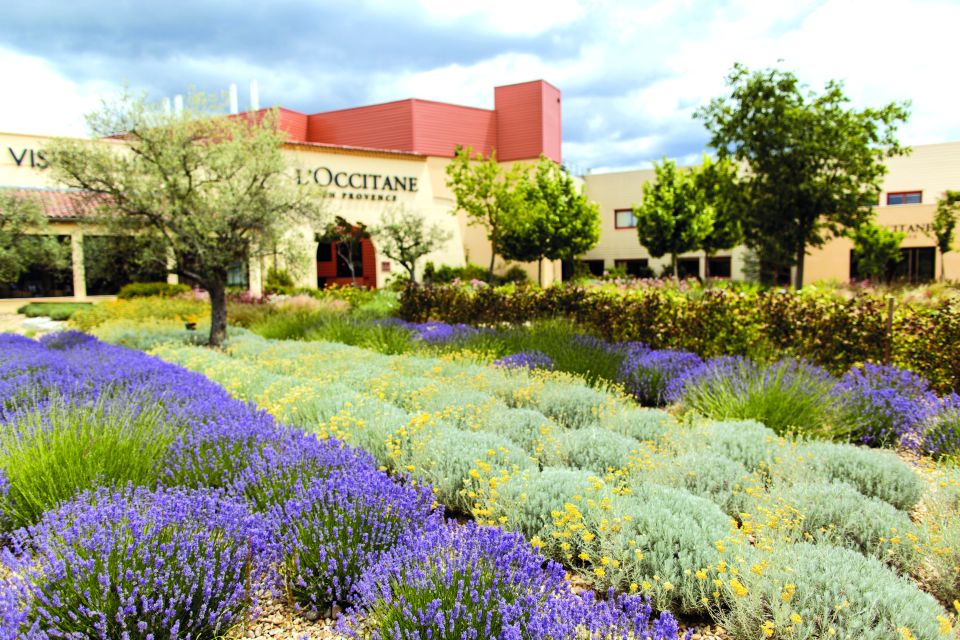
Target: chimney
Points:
(234, 103)
(178, 104)
(166, 106)
(254, 96)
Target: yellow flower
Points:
(645, 585)
(633, 587)
(946, 628)
(906, 634)
(767, 628)
(738, 588)
(584, 555)
(667, 586)
(701, 575)
(600, 572)
(795, 618)
(536, 542)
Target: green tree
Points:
(672, 218)
(874, 249)
(213, 190)
(813, 165)
(485, 192)
(24, 239)
(347, 240)
(944, 224)
(720, 191)
(405, 236)
(553, 220)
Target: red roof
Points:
(58, 204)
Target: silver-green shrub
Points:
(709, 475)
(642, 424)
(836, 513)
(529, 500)
(537, 434)
(572, 405)
(815, 591)
(876, 473)
(746, 441)
(598, 450)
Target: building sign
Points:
(925, 228)
(358, 186)
(26, 157)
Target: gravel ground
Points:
(278, 621)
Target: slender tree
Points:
(554, 220)
(719, 190)
(485, 192)
(25, 240)
(944, 224)
(213, 189)
(875, 249)
(813, 165)
(405, 236)
(672, 218)
(346, 239)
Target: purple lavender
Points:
(140, 563)
(473, 581)
(886, 406)
(526, 360)
(941, 434)
(655, 377)
(434, 333)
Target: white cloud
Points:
(510, 17)
(38, 99)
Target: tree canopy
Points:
(212, 189)
(553, 219)
(875, 249)
(673, 217)
(944, 225)
(813, 164)
(405, 236)
(24, 239)
(485, 192)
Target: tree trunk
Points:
(943, 266)
(801, 254)
(218, 312)
(676, 269)
(412, 270)
(540, 272)
(493, 256)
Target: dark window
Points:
(325, 252)
(719, 267)
(917, 264)
(624, 219)
(594, 266)
(40, 281)
(237, 275)
(688, 267)
(636, 268)
(904, 197)
(347, 254)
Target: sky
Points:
(631, 73)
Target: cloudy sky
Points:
(631, 73)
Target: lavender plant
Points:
(656, 377)
(526, 360)
(135, 563)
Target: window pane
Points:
(625, 219)
(894, 198)
(913, 198)
(719, 267)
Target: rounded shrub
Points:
(836, 513)
(52, 450)
(708, 475)
(528, 501)
(537, 434)
(645, 425)
(655, 377)
(480, 582)
(879, 474)
(572, 405)
(599, 450)
(140, 563)
(812, 591)
(746, 441)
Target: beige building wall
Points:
(623, 190)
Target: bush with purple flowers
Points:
(473, 581)
(655, 378)
(135, 563)
(526, 360)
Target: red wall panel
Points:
(380, 126)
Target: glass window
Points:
(719, 267)
(595, 267)
(688, 268)
(624, 219)
(636, 268)
(904, 197)
(325, 252)
(237, 276)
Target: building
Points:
(908, 198)
(367, 158)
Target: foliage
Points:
(53, 310)
(346, 238)
(141, 309)
(485, 192)
(149, 289)
(404, 235)
(39, 448)
(709, 475)
(795, 595)
(211, 190)
(875, 248)
(554, 220)
(719, 189)
(671, 219)
(811, 162)
(132, 562)
(944, 223)
(655, 377)
(24, 240)
(786, 396)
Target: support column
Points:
(79, 273)
(172, 278)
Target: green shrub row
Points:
(819, 326)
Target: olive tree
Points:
(23, 239)
(405, 235)
(213, 190)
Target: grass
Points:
(53, 310)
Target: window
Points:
(904, 197)
(595, 267)
(688, 268)
(636, 268)
(325, 252)
(624, 219)
(917, 264)
(719, 267)
(237, 275)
